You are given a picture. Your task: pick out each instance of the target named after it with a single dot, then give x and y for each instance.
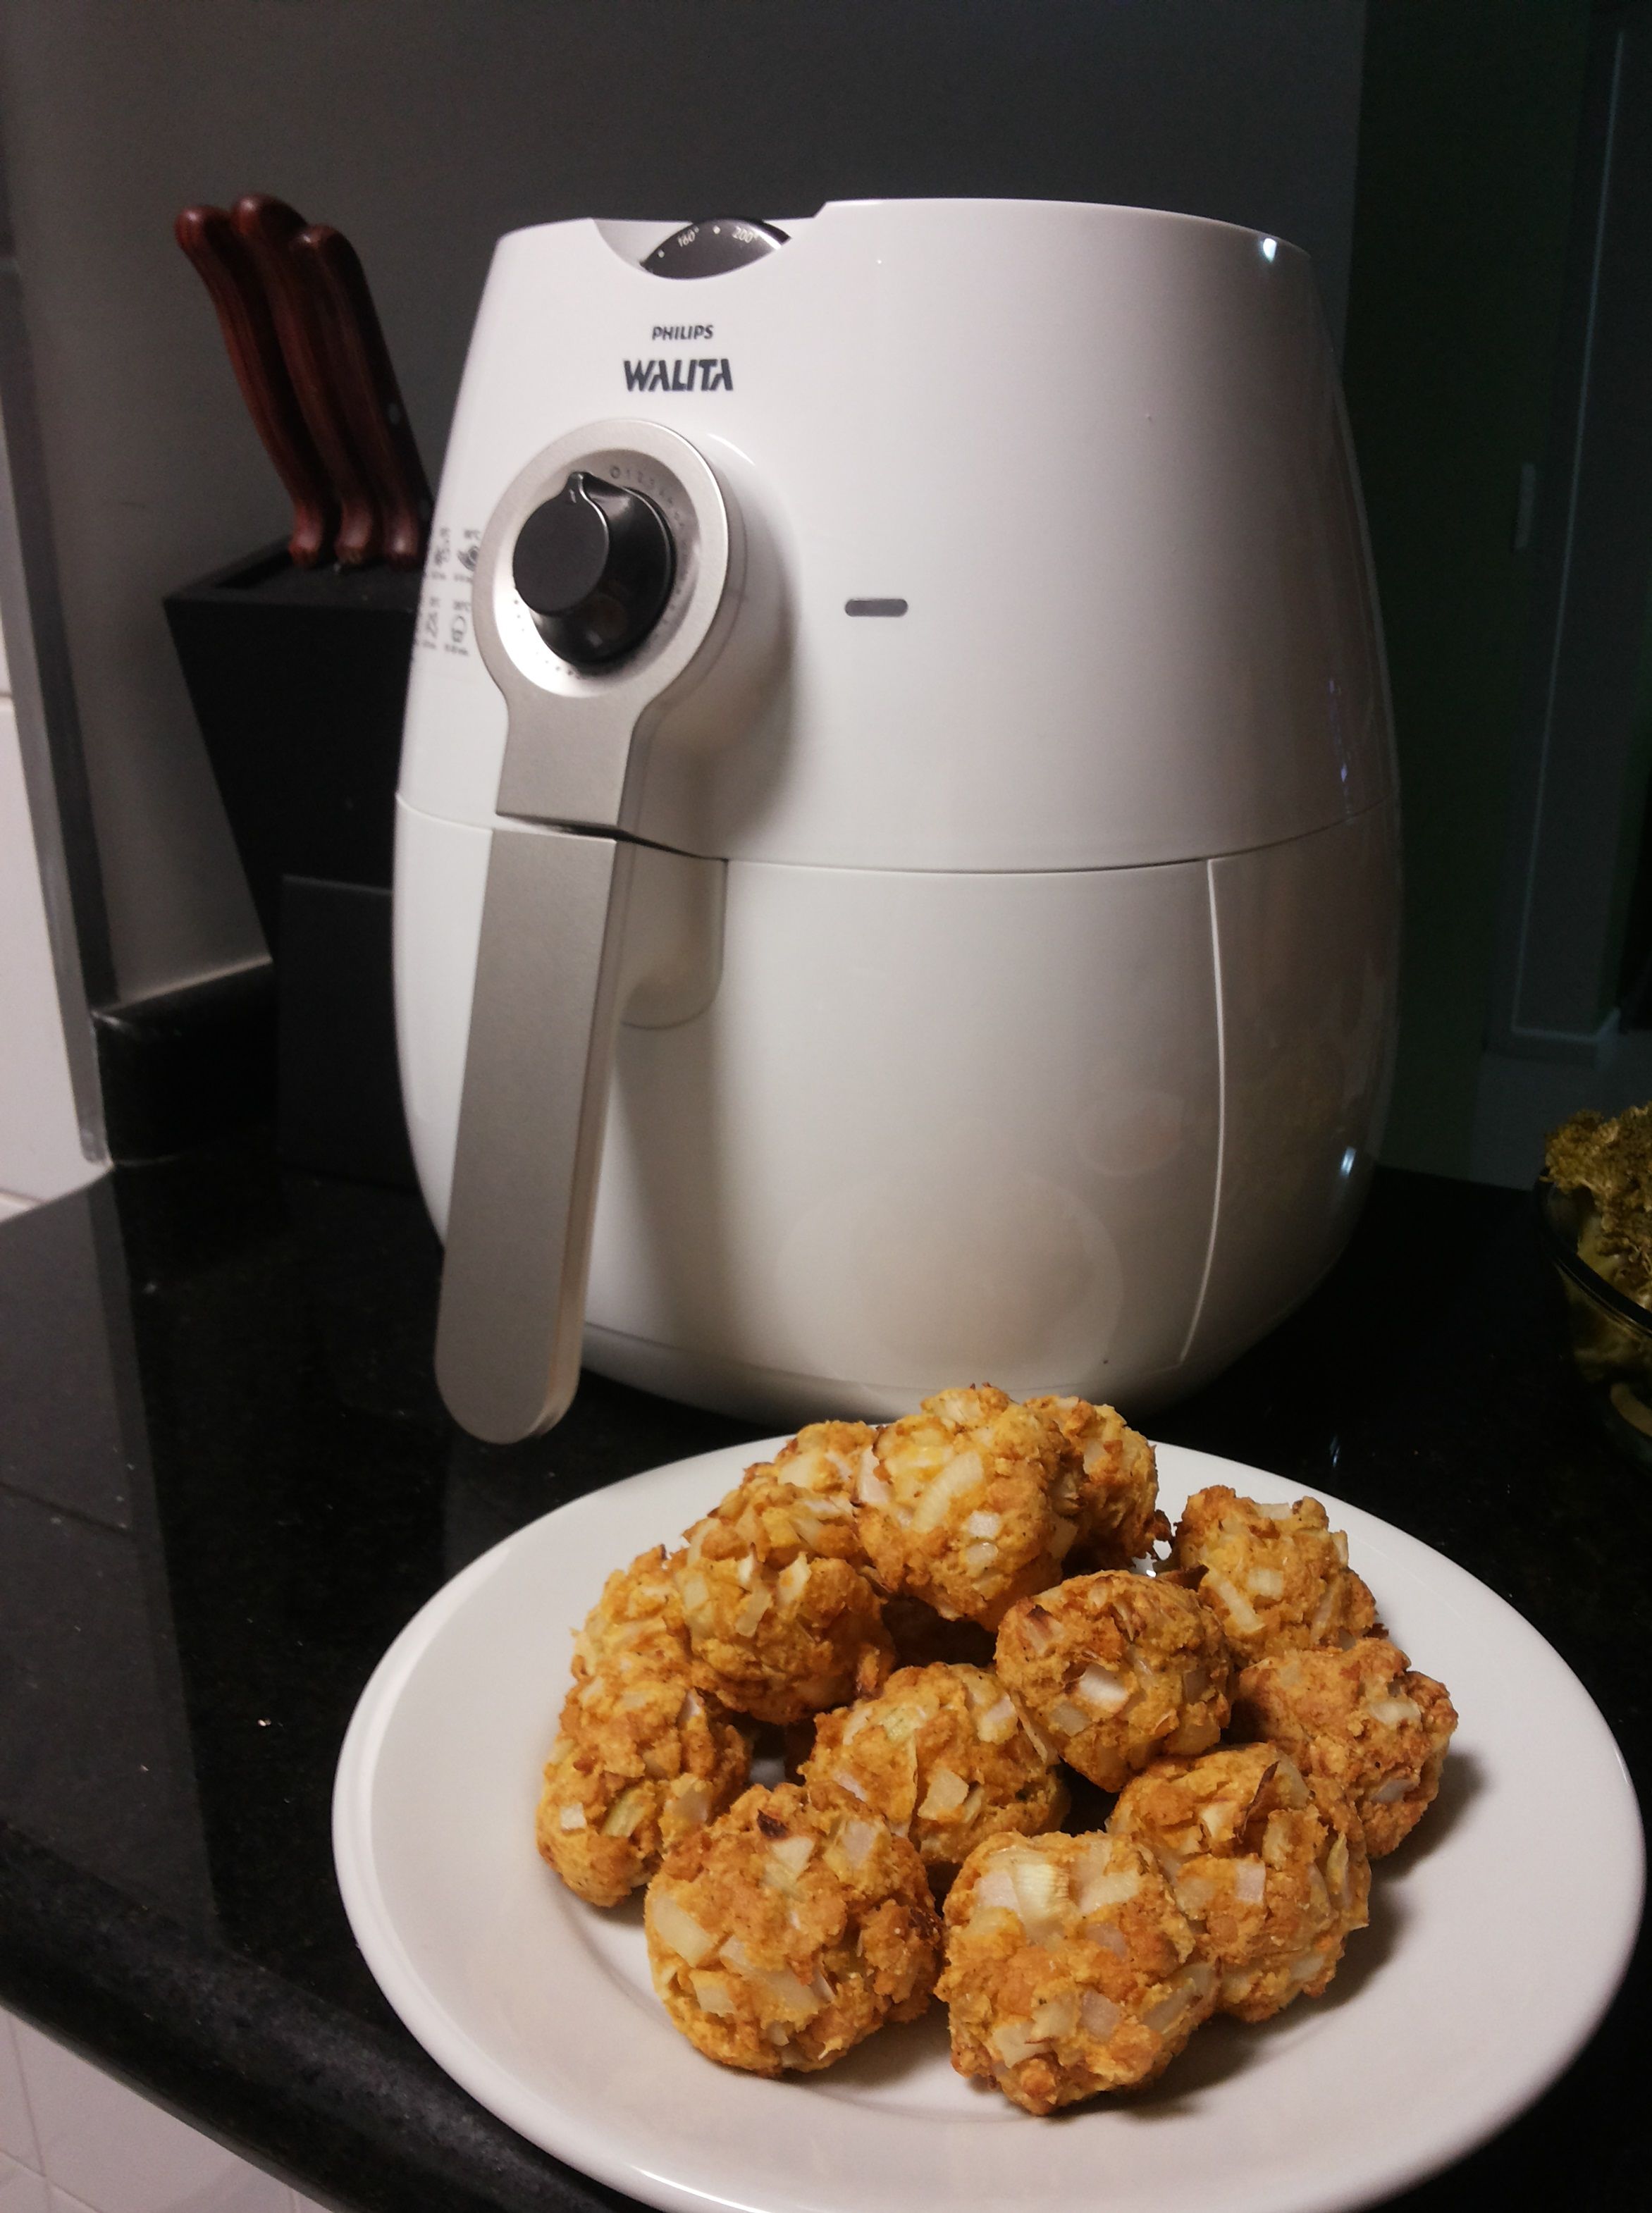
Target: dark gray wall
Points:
(424, 128)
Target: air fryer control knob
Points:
(594, 565)
(709, 248)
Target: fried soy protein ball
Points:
(961, 1507)
(1070, 1968)
(643, 1757)
(777, 1642)
(784, 1934)
(1115, 1495)
(802, 1500)
(1117, 1668)
(1362, 1718)
(942, 1754)
(1269, 1866)
(1277, 1577)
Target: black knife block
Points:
(298, 679)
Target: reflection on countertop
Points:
(226, 1482)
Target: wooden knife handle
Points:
(268, 227)
(369, 398)
(209, 237)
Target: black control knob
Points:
(594, 566)
(706, 249)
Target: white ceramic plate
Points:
(1498, 1933)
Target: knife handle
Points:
(368, 396)
(216, 252)
(268, 227)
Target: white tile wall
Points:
(16, 2129)
(23, 2191)
(40, 1155)
(73, 2140)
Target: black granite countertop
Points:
(226, 1483)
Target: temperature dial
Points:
(594, 566)
(707, 249)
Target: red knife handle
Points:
(268, 227)
(208, 236)
(368, 396)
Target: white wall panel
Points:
(104, 2150)
(40, 1155)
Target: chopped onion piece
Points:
(1102, 1691)
(1341, 1543)
(1067, 1719)
(794, 1853)
(1276, 1839)
(697, 1600)
(745, 1570)
(785, 1988)
(1304, 1969)
(1395, 1787)
(691, 1708)
(1219, 1819)
(676, 1926)
(1250, 1880)
(1235, 1603)
(1274, 1512)
(1041, 1895)
(1054, 2017)
(739, 1958)
(1045, 1749)
(1168, 2012)
(979, 1558)
(846, 1781)
(628, 1810)
(858, 1839)
(970, 1811)
(1099, 2013)
(1193, 1895)
(1104, 1888)
(947, 1793)
(1336, 1866)
(998, 1722)
(963, 1473)
(751, 1611)
(870, 1487)
(1266, 1583)
(712, 1992)
(1012, 2041)
(570, 1817)
(1109, 1938)
(1192, 1986)
(690, 1801)
(899, 1721)
(793, 1582)
(996, 1892)
(983, 1524)
(1039, 1630)
(1394, 1713)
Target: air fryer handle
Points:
(542, 1023)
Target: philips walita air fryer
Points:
(896, 864)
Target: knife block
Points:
(298, 679)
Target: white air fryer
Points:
(896, 866)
